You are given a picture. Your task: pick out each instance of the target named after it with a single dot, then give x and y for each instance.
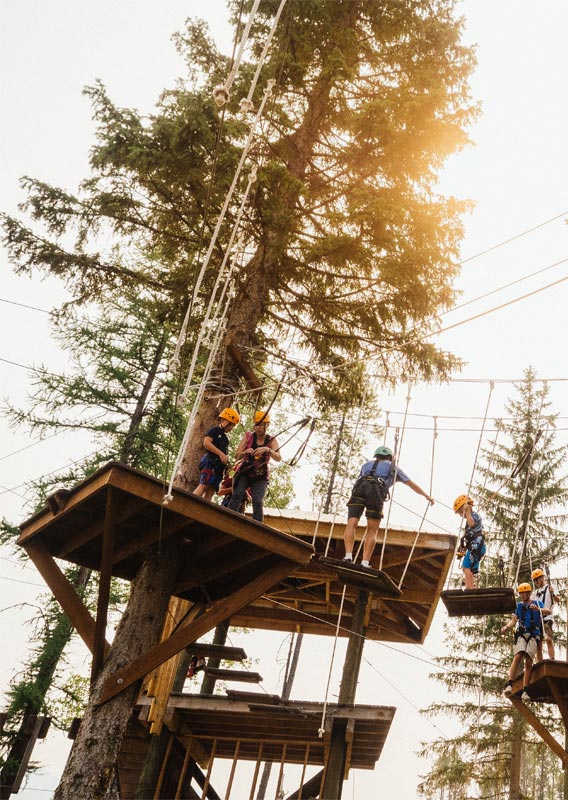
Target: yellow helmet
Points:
(537, 573)
(524, 587)
(261, 416)
(461, 501)
(230, 415)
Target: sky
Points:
(514, 172)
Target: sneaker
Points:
(508, 690)
(525, 697)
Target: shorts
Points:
(522, 645)
(367, 495)
(211, 472)
(471, 560)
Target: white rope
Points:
(531, 505)
(246, 103)
(419, 531)
(348, 465)
(222, 93)
(183, 333)
(321, 729)
(397, 450)
(462, 520)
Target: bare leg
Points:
(370, 538)
(514, 668)
(206, 492)
(528, 669)
(539, 652)
(349, 534)
(550, 648)
(468, 578)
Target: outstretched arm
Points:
(419, 490)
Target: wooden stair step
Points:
(203, 650)
(233, 675)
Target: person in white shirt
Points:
(546, 593)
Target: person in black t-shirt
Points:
(216, 444)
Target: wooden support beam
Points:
(256, 771)
(183, 773)
(233, 769)
(244, 367)
(107, 554)
(186, 635)
(220, 651)
(242, 676)
(126, 509)
(558, 699)
(160, 781)
(147, 539)
(349, 732)
(64, 593)
(207, 780)
(535, 723)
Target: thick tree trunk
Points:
(90, 770)
(516, 757)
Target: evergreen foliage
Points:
(527, 530)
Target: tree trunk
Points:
(334, 467)
(516, 757)
(90, 770)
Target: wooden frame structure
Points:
(309, 599)
(548, 684)
(109, 521)
(260, 728)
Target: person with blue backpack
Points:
(527, 620)
(369, 494)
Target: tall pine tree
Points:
(525, 527)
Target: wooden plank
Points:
(256, 771)
(109, 533)
(181, 638)
(204, 650)
(148, 538)
(479, 602)
(64, 593)
(123, 511)
(246, 370)
(32, 526)
(535, 723)
(373, 581)
(241, 676)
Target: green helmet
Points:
(383, 451)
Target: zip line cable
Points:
(514, 238)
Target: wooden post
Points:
(163, 767)
(220, 637)
(209, 769)
(107, 556)
(256, 771)
(535, 723)
(334, 774)
(233, 768)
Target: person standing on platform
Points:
(472, 543)
(216, 444)
(528, 621)
(369, 494)
(546, 593)
(256, 448)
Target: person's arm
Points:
(208, 445)
(511, 624)
(242, 449)
(272, 448)
(419, 490)
(537, 605)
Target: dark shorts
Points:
(367, 495)
(211, 472)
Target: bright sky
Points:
(515, 174)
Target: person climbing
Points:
(472, 545)
(216, 444)
(528, 619)
(256, 448)
(369, 494)
(546, 593)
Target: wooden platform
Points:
(479, 602)
(369, 580)
(108, 523)
(290, 724)
(549, 682)
(317, 590)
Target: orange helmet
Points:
(537, 573)
(260, 417)
(524, 587)
(230, 415)
(461, 501)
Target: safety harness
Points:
(255, 468)
(529, 625)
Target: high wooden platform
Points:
(109, 521)
(211, 727)
(316, 590)
(479, 602)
